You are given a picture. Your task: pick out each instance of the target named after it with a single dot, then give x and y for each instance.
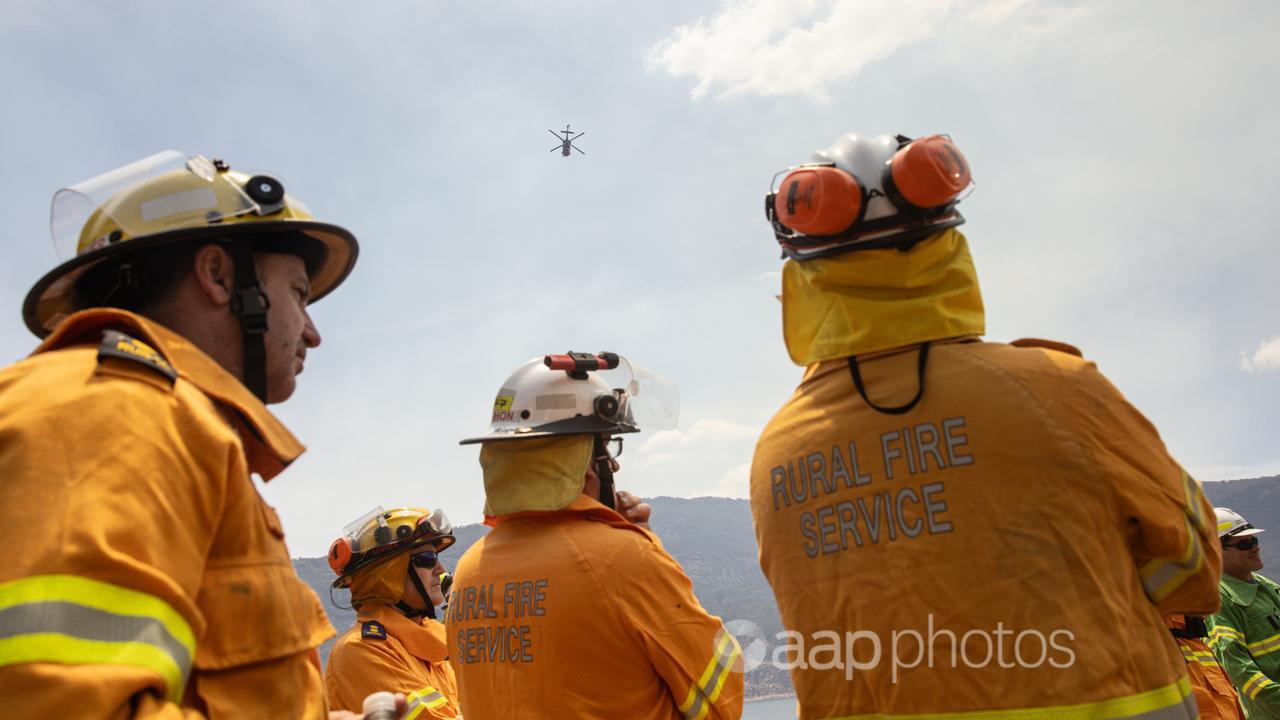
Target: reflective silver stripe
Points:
(419, 700)
(1161, 577)
(707, 688)
(65, 618)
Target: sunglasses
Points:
(426, 559)
(1246, 544)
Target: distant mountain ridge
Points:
(713, 539)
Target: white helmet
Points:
(1232, 524)
(866, 193)
(578, 394)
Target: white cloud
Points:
(710, 457)
(670, 445)
(736, 483)
(800, 47)
(1266, 358)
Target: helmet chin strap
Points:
(604, 471)
(250, 304)
(413, 612)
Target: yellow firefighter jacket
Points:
(1005, 548)
(577, 613)
(146, 578)
(385, 650)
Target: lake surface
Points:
(779, 709)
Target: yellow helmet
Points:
(171, 198)
(379, 535)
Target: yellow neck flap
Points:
(870, 300)
(536, 474)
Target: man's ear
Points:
(214, 273)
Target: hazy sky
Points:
(1126, 164)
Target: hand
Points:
(633, 508)
(402, 706)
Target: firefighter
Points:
(568, 607)
(390, 561)
(955, 527)
(149, 578)
(1245, 633)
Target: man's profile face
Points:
(1238, 561)
(290, 332)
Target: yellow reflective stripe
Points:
(1200, 656)
(1256, 684)
(1224, 633)
(1161, 577)
(703, 693)
(1170, 701)
(98, 595)
(74, 620)
(423, 699)
(56, 648)
(1264, 646)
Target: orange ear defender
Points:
(340, 554)
(926, 173)
(890, 191)
(818, 200)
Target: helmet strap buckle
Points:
(250, 305)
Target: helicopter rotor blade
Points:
(575, 147)
(557, 147)
(556, 134)
(584, 132)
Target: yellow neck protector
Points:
(869, 300)
(536, 474)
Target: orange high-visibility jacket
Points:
(385, 650)
(1010, 544)
(1215, 695)
(145, 576)
(577, 613)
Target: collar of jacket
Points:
(871, 300)
(583, 506)
(269, 446)
(1242, 592)
(426, 640)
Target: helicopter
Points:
(566, 142)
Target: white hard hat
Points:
(579, 394)
(1231, 524)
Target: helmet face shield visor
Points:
(648, 400)
(195, 193)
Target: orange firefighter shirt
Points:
(1215, 695)
(385, 650)
(1009, 544)
(148, 577)
(577, 613)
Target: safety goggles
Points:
(1246, 544)
(426, 559)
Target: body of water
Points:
(778, 709)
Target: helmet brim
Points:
(54, 296)
(582, 425)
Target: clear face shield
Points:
(199, 192)
(646, 399)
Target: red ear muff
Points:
(818, 201)
(927, 173)
(339, 555)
